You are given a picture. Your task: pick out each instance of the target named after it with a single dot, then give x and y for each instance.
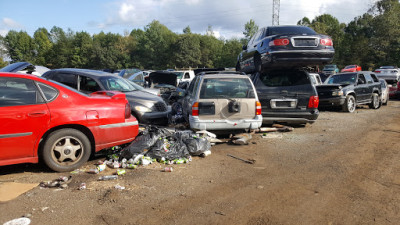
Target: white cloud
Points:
(3, 32)
(225, 16)
(7, 22)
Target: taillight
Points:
(326, 42)
(313, 102)
(398, 86)
(258, 108)
(279, 42)
(377, 71)
(127, 111)
(195, 109)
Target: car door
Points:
(24, 117)
(361, 88)
(189, 97)
(252, 48)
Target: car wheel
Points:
(238, 67)
(386, 100)
(66, 150)
(257, 63)
(375, 102)
(349, 104)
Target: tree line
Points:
(370, 40)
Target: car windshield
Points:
(285, 78)
(349, 78)
(114, 83)
(348, 67)
(226, 88)
(179, 75)
(291, 30)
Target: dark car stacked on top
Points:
(283, 47)
(277, 57)
(347, 90)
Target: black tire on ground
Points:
(375, 102)
(349, 104)
(66, 149)
(257, 63)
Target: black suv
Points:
(287, 96)
(283, 47)
(348, 90)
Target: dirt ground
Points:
(343, 169)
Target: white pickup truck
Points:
(184, 75)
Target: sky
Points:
(226, 17)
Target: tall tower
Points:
(275, 12)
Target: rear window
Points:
(285, 78)
(290, 30)
(226, 88)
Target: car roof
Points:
(86, 72)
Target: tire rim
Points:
(376, 103)
(351, 105)
(67, 151)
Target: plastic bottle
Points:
(108, 177)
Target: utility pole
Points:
(275, 12)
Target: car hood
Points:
(142, 98)
(157, 78)
(15, 67)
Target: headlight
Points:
(337, 93)
(142, 109)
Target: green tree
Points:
(304, 22)
(250, 28)
(187, 30)
(19, 45)
(187, 51)
(43, 45)
(82, 44)
(229, 53)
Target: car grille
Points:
(159, 107)
(305, 42)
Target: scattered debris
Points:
(220, 213)
(19, 221)
(250, 161)
(271, 136)
(241, 139)
(274, 129)
(119, 187)
(168, 169)
(109, 177)
(61, 182)
(82, 186)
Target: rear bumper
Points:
(297, 57)
(198, 124)
(110, 135)
(388, 77)
(290, 117)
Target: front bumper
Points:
(327, 102)
(154, 117)
(198, 124)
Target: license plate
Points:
(283, 103)
(305, 42)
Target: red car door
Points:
(24, 117)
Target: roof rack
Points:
(220, 72)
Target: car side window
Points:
(361, 79)
(67, 79)
(190, 88)
(196, 87)
(374, 77)
(187, 76)
(18, 91)
(49, 93)
(368, 78)
(88, 85)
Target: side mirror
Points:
(244, 47)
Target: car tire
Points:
(257, 64)
(387, 99)
(349, 104)
(66, 149)
(375, 102)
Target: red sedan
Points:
(41, 118)
(351, 68)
